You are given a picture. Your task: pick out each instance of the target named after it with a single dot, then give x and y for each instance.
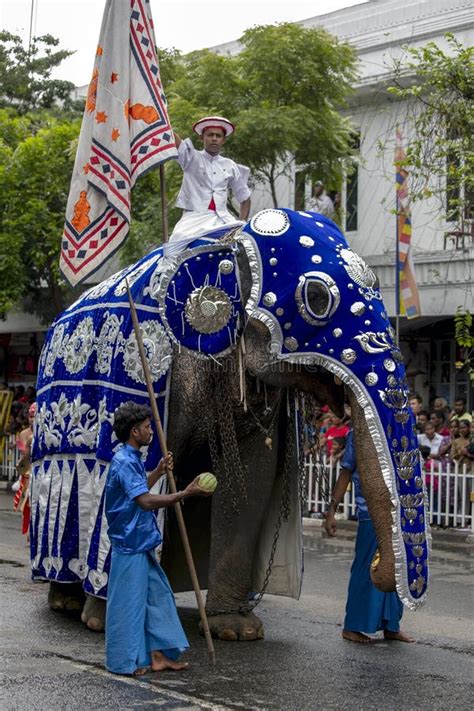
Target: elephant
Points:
(242, 331)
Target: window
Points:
(352, 192)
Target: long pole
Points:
(164, 203)
(171, 481)
(397, 252)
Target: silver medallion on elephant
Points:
(270, 223)
(208, 309)
(357, 269)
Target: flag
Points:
(125, 132)
(409, 300)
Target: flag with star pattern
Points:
(125, 132)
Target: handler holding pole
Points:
(142, 626)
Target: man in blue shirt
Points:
(367, 609)
(142, 627)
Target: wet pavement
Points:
(51, 661)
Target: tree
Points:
(25, 74)
(284, 91)
(438, 87)
(35, 178)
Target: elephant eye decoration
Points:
(317, 297)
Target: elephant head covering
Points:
(322, 306)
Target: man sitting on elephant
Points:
(150, 632)
(206, 181)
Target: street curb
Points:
(314, 527)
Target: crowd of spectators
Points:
(445, 438)
(23, 398)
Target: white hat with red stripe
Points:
(214, 122)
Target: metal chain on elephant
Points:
(216, 390)
(292, 432)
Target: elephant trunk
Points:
(378, 498)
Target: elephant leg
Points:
(93, 613)
(65, 597)
(234, 539)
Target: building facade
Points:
(380, 30)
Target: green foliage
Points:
(35, 182)
(439, 89)
(283, 91)
(464, 335)
(25, 74)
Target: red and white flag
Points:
(125, 132)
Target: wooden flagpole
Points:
(171, 481)
(164, 203)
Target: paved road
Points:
(49, 661)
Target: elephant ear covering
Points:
(90, 365)
(322, 306)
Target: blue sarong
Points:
(141, 614)
(369, 609)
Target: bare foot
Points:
(399, 636)
(140, 672)
(357, 637)
(159, 662)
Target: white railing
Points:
(448, 487)
(9, 458)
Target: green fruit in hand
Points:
(207, 481)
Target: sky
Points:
(183, 24)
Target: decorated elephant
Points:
(241, 330)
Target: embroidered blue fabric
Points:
(88, 367)
(322, 306)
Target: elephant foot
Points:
(235, 627)
(93, 613)
(65, 597)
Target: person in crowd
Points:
(439, 423)
(459, 410)
(441, 405)
(432, 439)
(207, 178)
(337, 428)
(320, 201)
(368, 610)
(421, 420)
(460, 446)
(142, 626)
(416, 404)
(21, 501)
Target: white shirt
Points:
(434, 444)
(322, 204)
(206, 177)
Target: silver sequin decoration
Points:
(348, 356)
(316, 259)
(280, 312)
(269, 299)
(357, 269)
(270, 223)
(287, 326)
(273, 261)
(371, 379)
(306, 241)
(337, 333)
(226, 266)
(358, 308)
(208, 309)
(389, 365)
(291, 343)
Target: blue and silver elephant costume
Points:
(321, 305)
